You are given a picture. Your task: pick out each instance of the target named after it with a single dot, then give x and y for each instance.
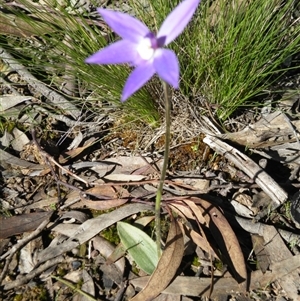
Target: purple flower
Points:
(142, 48)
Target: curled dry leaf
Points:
(65, 229)
(103, 205)
(70, 154)
(182, 210)
(27, 254)
(144, 221)
(224, 237)
(197, 212)
(126, 164)
(78, 137)
(199, 240)
(185, 211)
(20, 140)
(102, 192)
(107, 192)
(167, 265)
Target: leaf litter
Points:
(229, 230)
(113, 182)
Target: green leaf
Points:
(139, 245)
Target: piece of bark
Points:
(194, 286)
(253, 170)
(277, 250)
(21, 223)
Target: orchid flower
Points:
(142, 48)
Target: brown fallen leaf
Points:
(166, 267)
(102, 205)
(201, 223)
(186, 213)
(143, 221)
(182, 210)
(197, 212)
(102, 192)
(199, 240)
(127, 165)
(70, 154)
(21, 223)
(109, 197)
(225, 238)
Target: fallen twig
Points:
(35, 272)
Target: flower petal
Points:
(177, 20)
(124, 25)
(117, 53)
(167, 66)
(139, 76)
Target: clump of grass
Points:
(59, 42)
(243, 51)
(229, 54)
(235, 49)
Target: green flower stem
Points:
(165, 165)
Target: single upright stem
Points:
(165, 165)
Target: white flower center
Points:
(145, 49)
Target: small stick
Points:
(35, 272)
